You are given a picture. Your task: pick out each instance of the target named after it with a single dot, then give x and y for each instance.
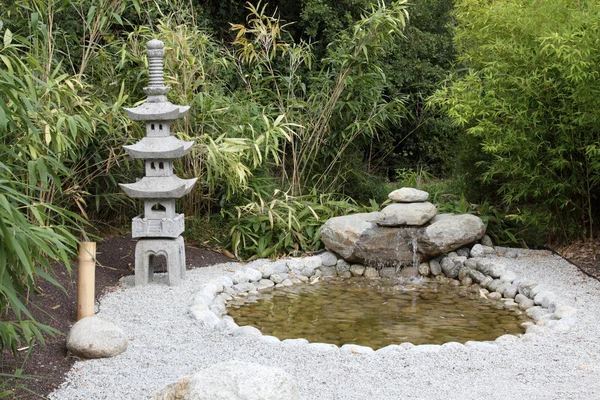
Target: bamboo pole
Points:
(86, 279)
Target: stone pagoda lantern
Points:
(159, 229)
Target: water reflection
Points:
(377, 312)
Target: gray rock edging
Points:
(482, 271)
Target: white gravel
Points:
(166, 344)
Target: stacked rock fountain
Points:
(450, 248)
(160, 227)
(403, 231)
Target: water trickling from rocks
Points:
(415, 255)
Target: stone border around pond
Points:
(468, 267)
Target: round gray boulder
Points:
(94, 337)
(233, 380)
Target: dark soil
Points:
(585, 254)
(46, 365)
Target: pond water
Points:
(377, 312)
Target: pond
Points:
(378, 312)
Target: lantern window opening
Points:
(159, 207)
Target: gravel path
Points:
(166, 344)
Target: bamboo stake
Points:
(86, 279)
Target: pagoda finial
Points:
(156, 89)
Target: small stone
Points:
(342, 266)
(357, 269)
(511, 254)
(278, 278)
(407, 345)
(519, 298)
(463, 252)
(371, 273)
(245, 331)
(491, 268)
(536, 313)
(546, 299)
(226, 281)
(494, 296)
(205, 317)
(507, 339)
(409, 272)
(526, 304)
(356, 349)
(389, 349)
(564, 311)
(487, 241)
(387, 272)
(218, 306)
(280, 267)
(265, 283)
(426, 348)
(450, 267)
(323, 347)
(538, 330)
(489, 250)
(408, 195)
(239, 277)
(466, 281)
(328, 259)
(329, 271)
(270, 339)
(435, 267)
(508, 276)
(525, 287)
(494, 285)
(463, 273)
(287, 283)
(243, 287)
(424, 269)
(253, 274)
(312, 263)
(94, 337)
(510, 292)
(477, 251)
(482, 345)
(266, 270)
(295, 263)
(295, 342)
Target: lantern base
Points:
(146, 251)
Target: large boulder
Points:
(94, 337)
(359, 239)
(340, 234)
(413, 214)
(233, 380)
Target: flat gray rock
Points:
(94, 337)
(412, 214)
(233, 380)
(408, 195)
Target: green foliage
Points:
(529, 100)
(285, 224)
(29, 242)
